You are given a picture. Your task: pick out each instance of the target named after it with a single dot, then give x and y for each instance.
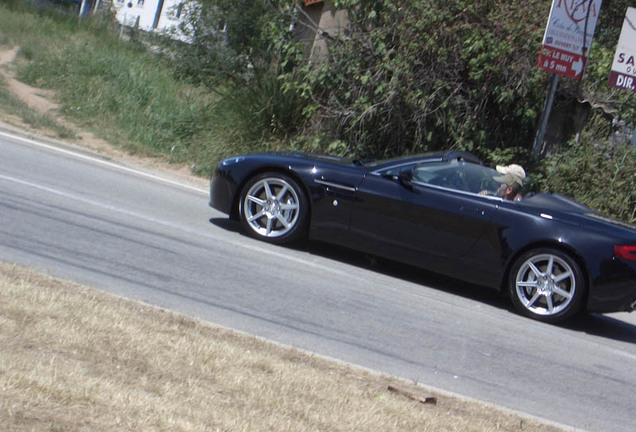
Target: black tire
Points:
(546, 284)
(274, 208)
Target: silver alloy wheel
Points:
(271, 207)
(545, 284)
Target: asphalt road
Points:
(134, 234)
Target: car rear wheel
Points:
(547, 285)
(274, 208)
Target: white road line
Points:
(133, 214)
(138, 215)
(344, 273)
(102, 162)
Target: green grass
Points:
(128, 95)
(118, 90)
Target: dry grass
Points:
(74, 359)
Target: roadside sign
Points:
(568, 37)
(623, 74)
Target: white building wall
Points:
(143, 14)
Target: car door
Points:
(416, 220)
(333, 195)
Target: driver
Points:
(510, 182)
(511, 179)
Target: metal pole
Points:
(543, 125)
(82, 8)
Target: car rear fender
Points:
(549, 244)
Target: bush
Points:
(416, 76)
(598, 171)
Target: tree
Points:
(236, 48)
(421, 75)
(405, 76)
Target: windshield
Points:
(458, 175)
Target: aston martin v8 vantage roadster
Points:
(553, 256)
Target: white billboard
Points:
(623, 74)
(568, 37)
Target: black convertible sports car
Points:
(554, 256)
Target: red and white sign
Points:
(568, 37)
(623, 74)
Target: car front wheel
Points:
(274, 208)
(547, 285)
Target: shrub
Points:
(599, 171)
(419, 75)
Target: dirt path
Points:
(43, 102)
(37, 99)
